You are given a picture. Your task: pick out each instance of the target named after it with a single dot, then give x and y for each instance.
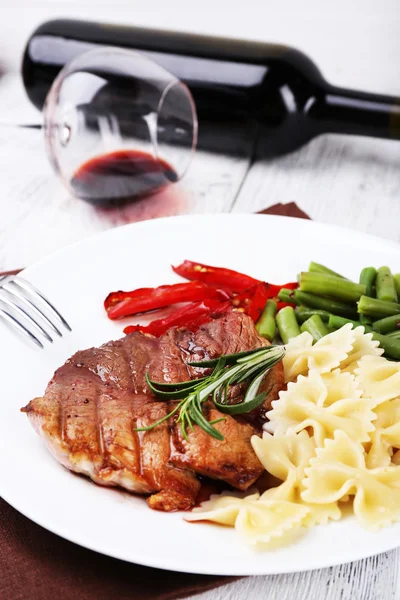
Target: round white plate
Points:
(77, 279)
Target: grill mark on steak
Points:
(99, 426)
(134, 440)
(62, 416)
(96, 400)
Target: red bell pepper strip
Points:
(221, 277)
(243, 300)
(191, 316)
(160, 297)
(293, 285)
(115, 297)
(262, 293)
(258, 296)
(281, 305)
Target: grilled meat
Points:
(97, 399)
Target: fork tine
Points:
(17, 294)
(22, 312)
(13, 321)
(25, 285)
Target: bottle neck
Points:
(339, 110)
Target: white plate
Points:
(77, 279)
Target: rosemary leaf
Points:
(228, 370)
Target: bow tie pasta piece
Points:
(222, 508)
(378, 378)
(255, 521)
(363, 345)
(326, 354)
(263, 521)
(295, 361)
(386, 436)
(324, 403)
(339, 470)
(286, 458)
(332, 349)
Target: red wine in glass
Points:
(114, 179)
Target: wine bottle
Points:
(251, 98)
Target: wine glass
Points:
(118, 126)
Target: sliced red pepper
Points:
(262, 293)
(165, 295)
(283, 305)
(259, 296)
(243, 300)
(191, 316)
(293, 285)
(225, 278)
(115, 297)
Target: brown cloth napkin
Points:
(39, 565)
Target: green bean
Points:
(303, 313)
(385, 289)
(286, 295)
(372, 307)
(394, 334)
(316, 327)
(364, 320)
(318, 268)
(338, 322)
(367, 278)
(396, 279)
(331, 286)
(287, 324)
(327, 304)
(266, 325)
(387, 324)
(390, 345)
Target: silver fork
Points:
(28, 306)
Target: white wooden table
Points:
(348, 181)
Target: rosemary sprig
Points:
(227, 370)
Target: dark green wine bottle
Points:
(251, 98)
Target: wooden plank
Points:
(345, 180)
(372, 579)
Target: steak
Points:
(96, 400)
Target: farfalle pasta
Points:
(378, 378)
(286, 458)
(327, 354)
(257, 520)
(363, 345)
(325, 403)
(339, 470)
(385, 439)
(333, 436)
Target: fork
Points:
(23, 299)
